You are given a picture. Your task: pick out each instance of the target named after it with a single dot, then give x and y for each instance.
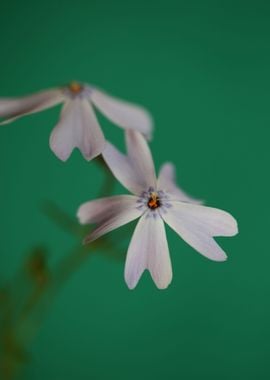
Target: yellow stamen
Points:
(153, 201)
(75, 87)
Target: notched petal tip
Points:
(229, 223)
(131, 286)
(148, 250)
(90, 157)
(149, 135)
(221, 258)
(84, 213)
(77, 128)
(235, 228)
(163, 287)
(62, 156)
(164, 281)
(160, 284)
(130, 280)
(79, 215)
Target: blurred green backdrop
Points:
(203, 70)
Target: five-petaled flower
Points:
(78, 125)
(155, 201)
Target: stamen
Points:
(153, 201)
(75, 87)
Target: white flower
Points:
(78, 125)
(155, 201)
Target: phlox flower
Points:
(154, 201)
(78, 126)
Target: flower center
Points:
(153, 201)
(75, 87)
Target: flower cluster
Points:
(155, 200)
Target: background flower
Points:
(78, 126)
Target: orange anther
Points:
(75, 87)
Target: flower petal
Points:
(167, 182)
(136, 170)
(148, 249)
(122, 168)
(77, 128)
(123, 114)
(12, 109)
(140, 156)
(198, 224)
(109, 213)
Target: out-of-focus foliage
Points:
(25, 301)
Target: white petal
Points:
(167, 182)
(148, 249)
(77, 128)
(123, 114)
(198, 224)
(109, 213)
(141, 159)
(12, 109)
(136, 170)
(122, 168)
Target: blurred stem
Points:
(38, 286)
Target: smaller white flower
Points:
(155, 201)
(78, 126)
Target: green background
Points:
(203, 70)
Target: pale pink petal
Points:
(122, 168)
(109, 213)
(122, 113)
(167, 183)
(136, 170)
(198, 224)
(148, 249)
(141, 159)
(12, 109)
(77, 128)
